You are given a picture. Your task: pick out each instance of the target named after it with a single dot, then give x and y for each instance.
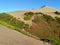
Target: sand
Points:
(46, 10)
(12, 37)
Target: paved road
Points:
(11, 37)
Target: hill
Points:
(43, 23)
(46, 10)
(11, 37)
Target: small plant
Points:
(53, 41)
(48, 18)
(56, 32)
(36, 20)
(26, 26)
(57, 19)
(46, 40)
(57, 12)
(28, 15)
(38, 13)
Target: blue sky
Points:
(13, 5)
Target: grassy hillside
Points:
(11, 22)
(43, 23)
(44, 26)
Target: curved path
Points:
(11, 37)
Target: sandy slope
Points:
(46, 10)
(11, 37)
(20, 16)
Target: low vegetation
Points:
(40, 29)
(46, 28)
(13, 23)
(48, 18)
(26, 26)
(36, 20)
(57, 12)
(50, 40)
(11, 20)
(38, 13)
(57, 19)
(28, 15)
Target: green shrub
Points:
(38, 13)
(57, 19)
(50, 40)
(18, 24)
(28, 15)
(56, 32)
(26, 26)
(5, 17)
(48, 18)
(36, 20)
(57, 12)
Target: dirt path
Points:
(11, 37)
